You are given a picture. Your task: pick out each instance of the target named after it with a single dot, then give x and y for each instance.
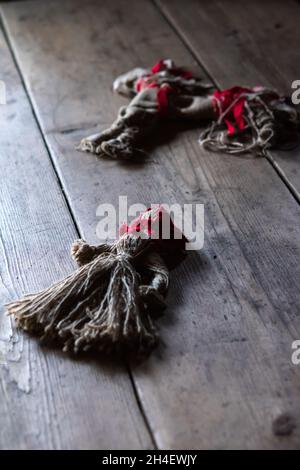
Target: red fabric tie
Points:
(163, 65)
(162, 97)
(164, 90)
(150, 223)
(224, 100)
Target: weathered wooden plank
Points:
(48, 400)
(248, 43)
(225, 371)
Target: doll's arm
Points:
(83, 253)
(155, 291)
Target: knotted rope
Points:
(249, 120)
(109, 302)
(164, 92)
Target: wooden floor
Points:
(223, 376)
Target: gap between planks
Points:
(59, 180)
(56, 172)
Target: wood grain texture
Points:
(247, 43)
(48, 400)
(223, 372)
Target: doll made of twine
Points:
(108, 304)
(162, 93)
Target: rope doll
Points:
(164, 92)
(109, 302)
(250, 120)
